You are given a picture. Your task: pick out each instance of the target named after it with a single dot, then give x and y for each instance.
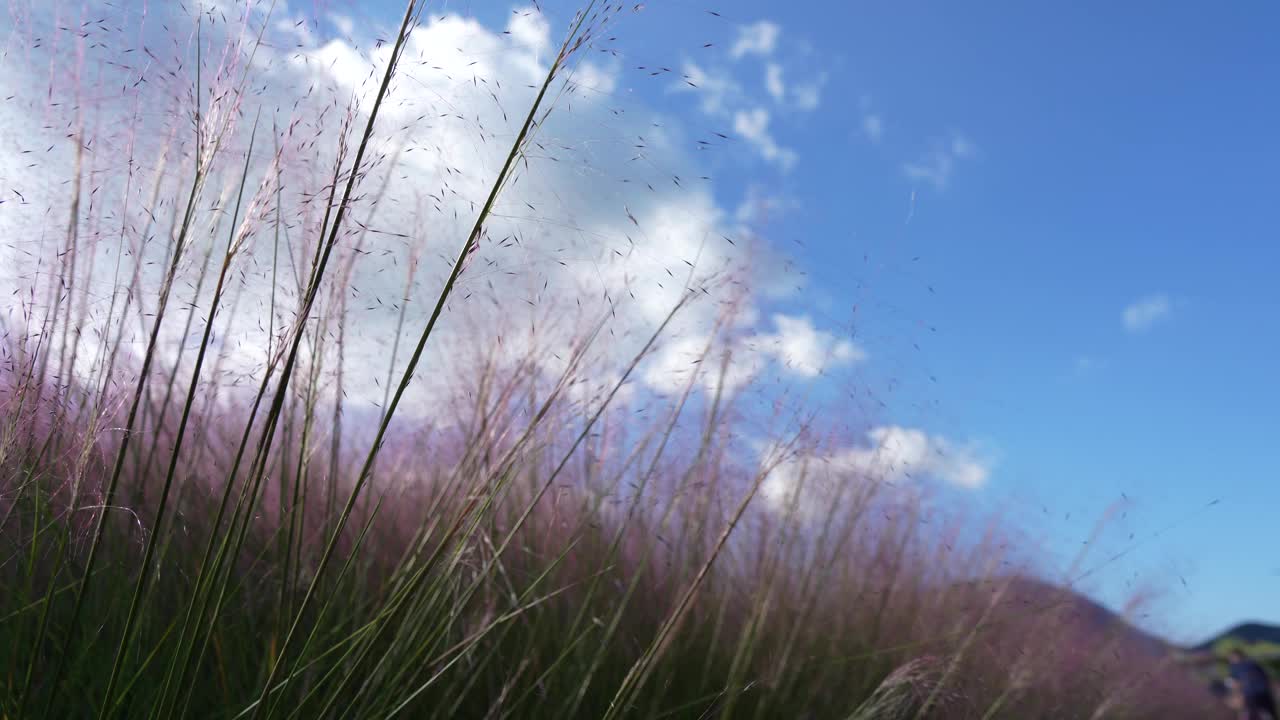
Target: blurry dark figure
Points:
(1253, 685)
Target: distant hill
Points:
(1025, 605)
(1085, 615)
(1089, 618)
(1249, 633)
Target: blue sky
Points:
(1073, 161)
(1056, 221)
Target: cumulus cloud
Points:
(902, 452)
(572, 237)
(1144, 313)
(530, 29)
(795, 347)
(805, 350)
(759, 38)
(893, 455)
(698, 359)
(938, 164)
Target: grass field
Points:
(199, 519)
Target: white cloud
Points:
(753, 126)
(531, 29)
(697, 358)
(902, 452)
(796, 347)
(759, 38)
(1144, 313)
(804, 350)
(893, 455)
(570, 239)
(937, 165)
(773, 82)
(595, 78)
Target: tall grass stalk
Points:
(235, 237)
(166, 287)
